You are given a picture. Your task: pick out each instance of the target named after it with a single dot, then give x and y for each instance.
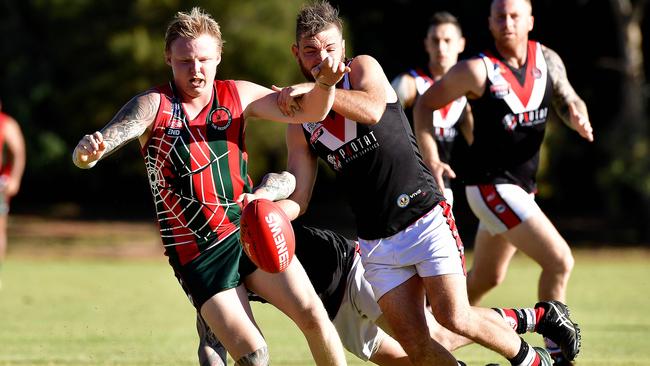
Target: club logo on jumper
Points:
(525, 119)
(404, 199)
(334, 161)
(537, 73)
(500, 91)
(358, 147)
(220, 118)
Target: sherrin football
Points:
(267, 236)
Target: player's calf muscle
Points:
(256, 358)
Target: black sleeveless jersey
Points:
(379, 168)
(510, 120)
(327, 258)
(445, 120)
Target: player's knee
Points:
(312, 318)
(456, 320)
(259, 357)
(485, 281)
(562, 265)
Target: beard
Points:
(305, 71)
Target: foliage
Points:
(68, 66)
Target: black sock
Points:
(525, 357)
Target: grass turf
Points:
(83, 311)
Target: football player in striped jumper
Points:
(191, 133)
(512, 88)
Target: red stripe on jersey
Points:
(445, 110)
(498, 206)
(446, 211)
(524, 91)
(201, 155)
(335, 126)
(238, 178)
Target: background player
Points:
(12, 166)
(511, 88)
(443, 44)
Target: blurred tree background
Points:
(68, 65)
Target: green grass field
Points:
(66, 310)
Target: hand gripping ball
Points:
(267, 236)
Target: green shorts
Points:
(219, 268)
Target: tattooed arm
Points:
(274, 187)
(566, 102)
(131, 122)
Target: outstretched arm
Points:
(566, 102)
(131, 122)
(261, 102)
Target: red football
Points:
(267, 235)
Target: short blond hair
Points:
(192, 25)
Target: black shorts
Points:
(219, 268)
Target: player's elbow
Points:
(372, 116)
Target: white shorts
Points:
(356, 317)
(500, 207)
(428, 247)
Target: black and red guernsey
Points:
(379, 168)
(195, 168)
(510, 120)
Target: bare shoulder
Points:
(402, 78)
(362, 63)
(11, 128)
(366, 73)
(133, 120)
(469, 76)
(550, 55)
(473, 67)
(249, 92)
(555, 65)
(558, 73)
(141, 109)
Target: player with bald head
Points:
(511, 88)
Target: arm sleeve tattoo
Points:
(130, 122)
(563, 92)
